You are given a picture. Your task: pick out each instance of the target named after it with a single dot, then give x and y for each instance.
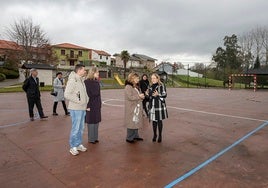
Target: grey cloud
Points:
(156, 27)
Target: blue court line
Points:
(194, 170)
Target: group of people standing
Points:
(137, 95)
(85, 104)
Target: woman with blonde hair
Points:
(133, 108)
(157, 105)
(93, 113)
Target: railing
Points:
(74, 56)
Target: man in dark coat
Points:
(31, 87)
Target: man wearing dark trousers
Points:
(31, 87)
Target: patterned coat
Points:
(132, 99)
(157, 105)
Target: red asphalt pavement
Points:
(201, 123)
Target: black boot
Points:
(154, 129)
(55, 109)
(160, 127)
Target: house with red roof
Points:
(70, 54)
(99, 57)
(12, 51)
(7, 49)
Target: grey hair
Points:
(32, 70)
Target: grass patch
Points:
(18, 88)
(107, 84)
(201, 82)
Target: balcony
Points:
(72, 56)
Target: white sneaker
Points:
(81, 148)
(74, 151)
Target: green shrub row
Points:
(2, 77)
(10, 73)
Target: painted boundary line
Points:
(217, 114)
(194, 170)
(190, 110)
(19, 123)
(14, 124)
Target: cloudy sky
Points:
(169, 30)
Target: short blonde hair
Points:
(91, 72)
(131, 78)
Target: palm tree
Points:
(125, 57)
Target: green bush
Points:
(2, 77)
(10, 73)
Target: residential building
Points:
(70, 54)
(146, 60)
(136, 61)
(99, 57)
(45, 72)
(7, 47)
(113, 61)
(12, 51)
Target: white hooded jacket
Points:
(76, 93)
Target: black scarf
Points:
(154, 86)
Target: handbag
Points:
(135, 118)
(53, 93)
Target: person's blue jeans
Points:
(78, 123)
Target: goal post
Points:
(231, 80)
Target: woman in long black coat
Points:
(157, 105)
(144, 86)
(93, 113)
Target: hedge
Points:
(10, 73)
(2, 77)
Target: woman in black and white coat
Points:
(157, 105)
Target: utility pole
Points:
(205, 77)
(188, 76)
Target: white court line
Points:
(217, 114)
(191, 110)
(105, 102)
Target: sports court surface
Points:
(212, 138)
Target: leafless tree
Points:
(179, 65)
(254, 44)
(199, 67)
(264, 36)
(32, 40)
(258, 43)
(246, 44)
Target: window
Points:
(106, 57)
(71, 54)
(62, 52)
(100, 56)
(80, 53)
